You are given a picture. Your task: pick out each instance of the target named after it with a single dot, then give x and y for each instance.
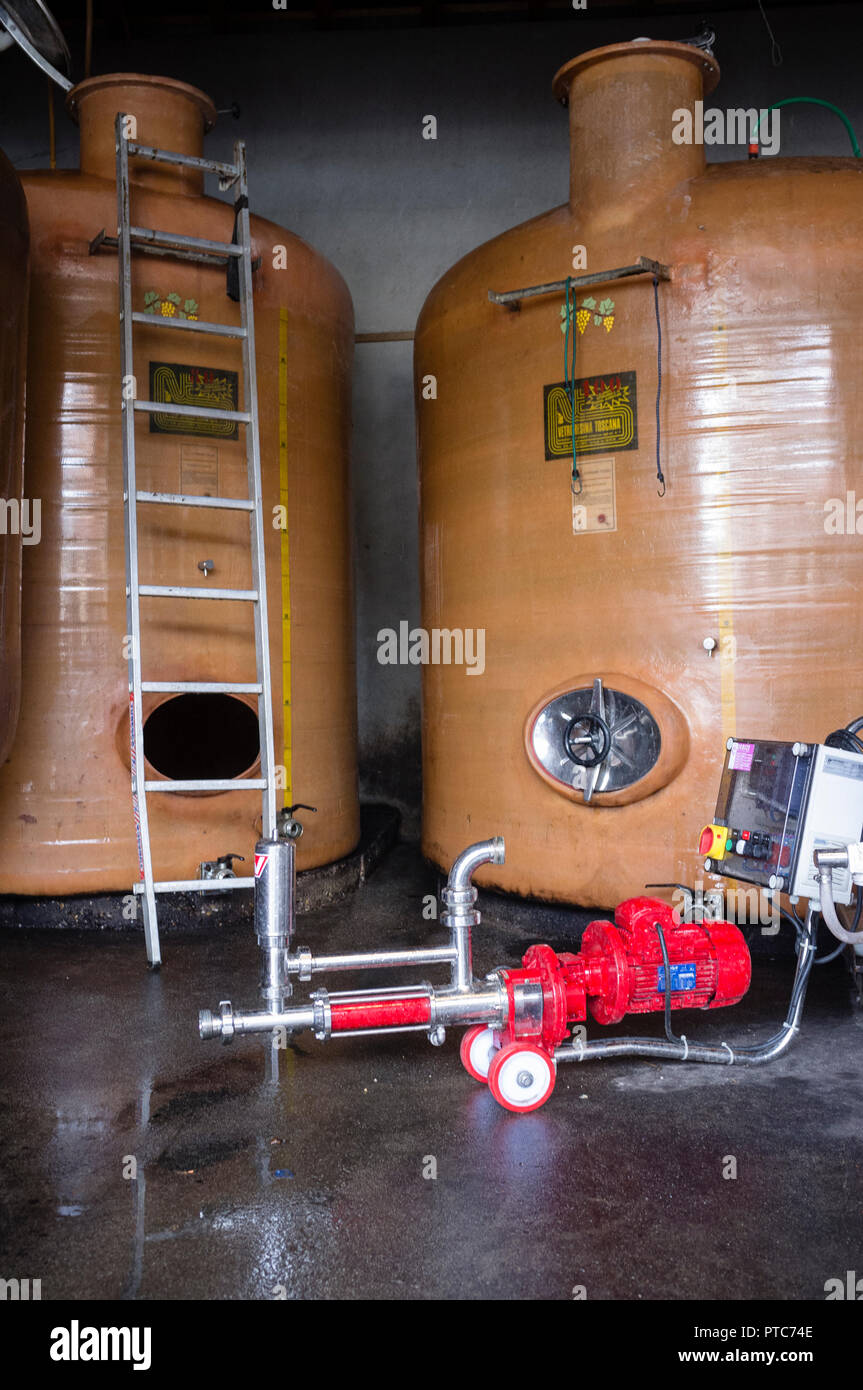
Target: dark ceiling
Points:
(134, 19)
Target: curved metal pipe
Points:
(828, 906)
(458, 897)
(698, 1052)
(483, 852)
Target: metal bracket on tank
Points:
(177, 250)
(642, 266)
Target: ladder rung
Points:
(151, 236)
(195, 411)
(189, 161)
(209, 784)
(197, 885)
(202, 687)
(179, 499)
(171, 591)
(221, 330)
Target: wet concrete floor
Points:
(316, 1185)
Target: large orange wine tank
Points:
(630, 624)
(66, 822)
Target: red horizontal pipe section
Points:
(380, 1013)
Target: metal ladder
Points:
(129, 238)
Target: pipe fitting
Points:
(483, 852)
(227, 1028)
(458, 897)
(323, 1015)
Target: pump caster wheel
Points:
(521, 1077)
(477, 1051)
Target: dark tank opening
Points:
(202, 736)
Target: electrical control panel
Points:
(778, 803)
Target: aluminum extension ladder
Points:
(129, 238)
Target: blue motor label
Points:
(682, 977)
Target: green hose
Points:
(814, 101)
(569, 373)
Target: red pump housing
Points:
(620, 970)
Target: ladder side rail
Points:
(256, 519)
(130, 522)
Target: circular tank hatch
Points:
(596, 739)
(192, 737)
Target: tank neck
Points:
(168, 115)
(621, 102)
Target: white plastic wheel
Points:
(521, 1077)
(478, 1049)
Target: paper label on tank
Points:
(260, 863)
(214, 388)
(594, 508)
(682, 977)
(606, 415)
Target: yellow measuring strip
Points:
(285, 556)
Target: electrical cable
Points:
(794, 921)
(825, 960)
(664, 949)
(775, 51)
(846, 738)
(569, 376)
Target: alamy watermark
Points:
(750, 905)
(21, 517)
(438, 646)
(736, 126)
(843, 516)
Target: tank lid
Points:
(708, 64)
(137, 79)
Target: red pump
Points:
(619, 970)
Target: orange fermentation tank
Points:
(66, 822)
(13, 349)
(732, 604)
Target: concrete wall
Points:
(333, 123)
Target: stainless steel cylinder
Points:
(485, 1003)
(274, 916)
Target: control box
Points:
(778, 803)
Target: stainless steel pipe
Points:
(305, 964)
(274, 916)
(459, 897)
(449, 1006)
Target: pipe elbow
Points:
(483, 852)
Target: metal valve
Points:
(287, 826)
(222, 867)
